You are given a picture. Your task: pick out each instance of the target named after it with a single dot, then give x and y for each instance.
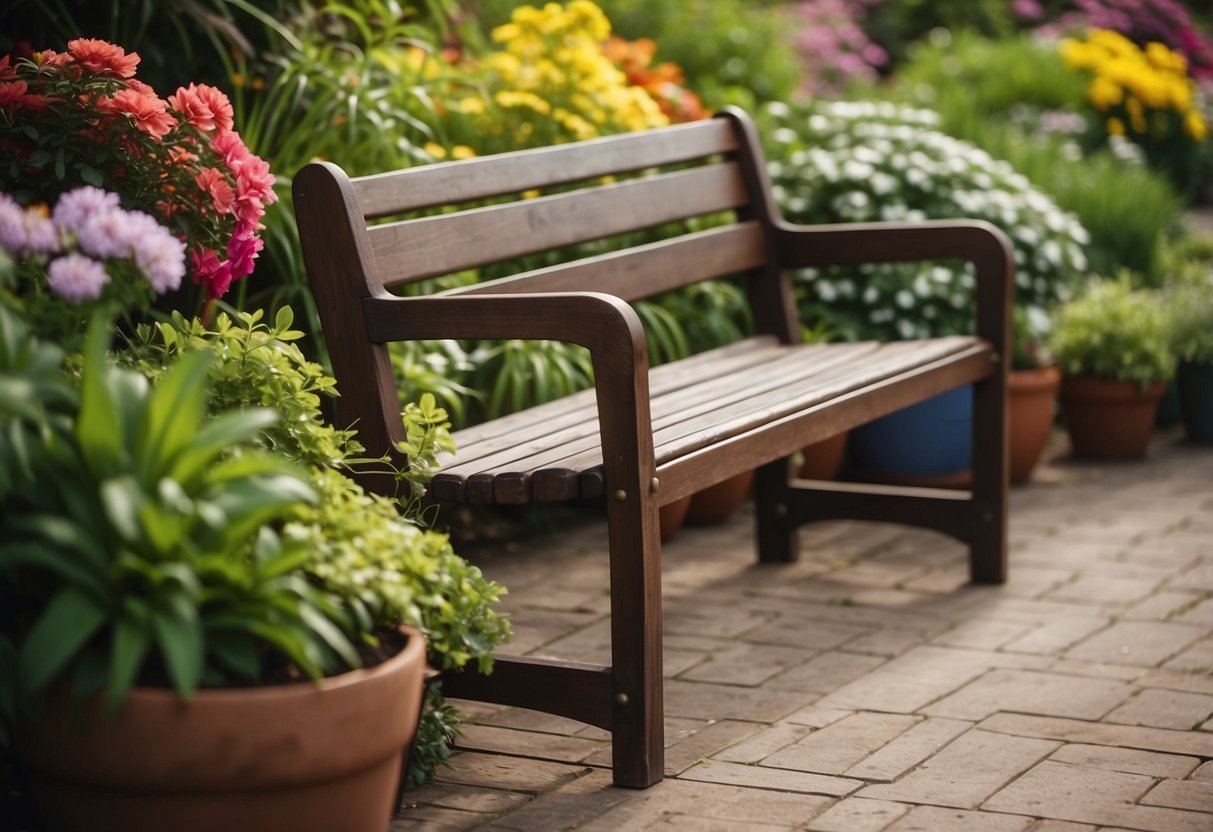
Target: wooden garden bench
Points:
(641, 439)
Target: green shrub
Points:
(1189, 299)
(1113, 331)
(845, 162)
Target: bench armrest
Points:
(980, 243)
(607, 326)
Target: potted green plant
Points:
(1190, 319)
(1112, 345)
(1032, 387)
(168, 664)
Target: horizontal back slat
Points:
(642, 271)
(470, 180)
(415, 249)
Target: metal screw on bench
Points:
(621, 698)
(620, 495)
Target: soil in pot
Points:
(1030, 395)
(299, 757)
(1109, 419)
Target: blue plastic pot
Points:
(931, 438)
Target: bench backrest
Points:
(370, 236)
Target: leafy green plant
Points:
(144, 548)
(1113, 331)
(1189, 300)
(386, 568)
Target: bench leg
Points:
(775, 528)
(637, 727)
(988, 540)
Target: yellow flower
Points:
(462, 151)
(1104, 93)
(1195, 127)
(1115, 127)
(473, 105)
(436, 150)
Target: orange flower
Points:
(103, 56)
(204, 107)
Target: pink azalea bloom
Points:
(102, 56)
(204, 107)
(211, 272)
(148, 111)
(76, 278)
(241, 252)
(215, 185)
(254, 178)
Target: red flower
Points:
(148, 111)
(102, 56)
(14, 96)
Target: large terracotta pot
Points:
(1030, 395)
(717, 503)
(1109, 419)
(822, 460)
(296, 758)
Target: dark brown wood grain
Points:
(642, 439)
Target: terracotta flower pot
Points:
(1109, 419)
(672, 516)
(822, 460)
(1030, 395)
(716, 504)
(260, 759)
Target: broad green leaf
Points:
(331, 635)
(216, 436)
(122, 500)
(129, 648)
(173, 415)
(40, 555)
(180, 641)
(71, 618)
(96, 429)
(235, 651)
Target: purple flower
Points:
(76, 278)
(161, 257)
(108, 233)
(12, 225)
(76, 206)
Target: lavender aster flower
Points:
(161, 257)
(108, 233)
(76, 278)
(76, 206)
(12, 225)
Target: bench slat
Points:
(688, 412)
(412, 250)
(645, 270)
(470, 180)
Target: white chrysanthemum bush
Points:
(857, 162)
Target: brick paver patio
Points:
(869, 688)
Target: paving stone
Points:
(435, 819)
(965, 772)
(805, 633)
(1196, 659)
(713, 771)
(747, 665)
(571, 805)
(1200, 613)
(1097, 670)
(1056, 634)
(1033, 580)
(1204, 773)
(936, 819)
(1127, 760)
(837, 747)
(1067, 792)
(694, 823)
(1182, 794)
(464, 798)
(1060, 826)
(691, 699)
(1160, 606)
(1198, 577)
(516, 774)
(544, 746)
(721, 621)
(1128, 736)
(1102, 589)
(1164, 709)
(824, 672)
(1031, 692)
(816, 717)
(858, 814)
(908, 750)
(763, 743)
(1141, 643)
(981, 634)
(705, 743)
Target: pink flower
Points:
(242, 251)
(149, 113)
(254, 178)
(215, 185)
(102, 56)
(77, 205)
(212, 273)
(76, 278)
(205, 107)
